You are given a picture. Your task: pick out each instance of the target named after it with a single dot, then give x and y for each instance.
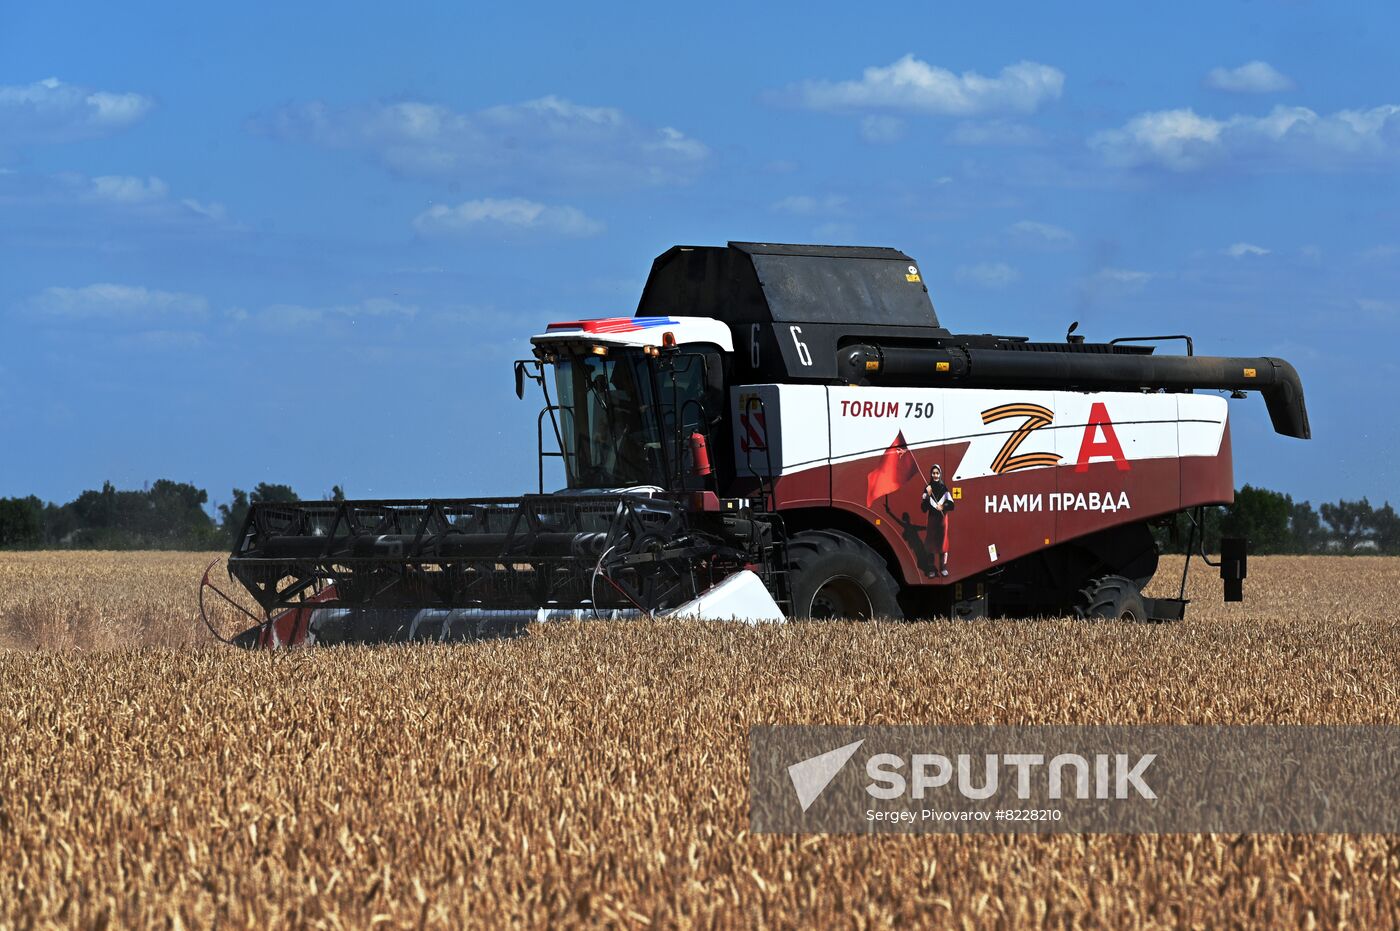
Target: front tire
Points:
(1111, 598)
(834, 576)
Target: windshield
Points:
(615, 430)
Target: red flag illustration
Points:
(896, 467)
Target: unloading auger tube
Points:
(974, 367)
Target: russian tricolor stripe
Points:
(613, 324)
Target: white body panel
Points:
(740, 597)
(807, 425)
(785, 425)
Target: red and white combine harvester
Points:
(789, 432)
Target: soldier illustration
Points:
(914, 534)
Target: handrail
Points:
(1190, 346)
(541, 455)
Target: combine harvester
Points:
(789, 432)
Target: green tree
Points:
(1305, 531)
(1385, 529)
(267, 493)
(1262, 517)
(165, 515)
(232, 515)
(21, 522)
(60, 523)
(174, 515)
(96, 511)
(1350, 522)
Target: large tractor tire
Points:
(1111, 598)
(832, 575)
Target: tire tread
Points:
(810, 546)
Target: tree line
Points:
(176, 515)
(165, 515)
(1275, 523)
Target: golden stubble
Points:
(597, 773)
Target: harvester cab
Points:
(787, 432)
(631, 402)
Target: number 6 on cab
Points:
(803, 355)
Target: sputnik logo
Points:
(811, 776)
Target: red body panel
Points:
(997, 518)
(290, 628)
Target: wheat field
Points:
(597, 773)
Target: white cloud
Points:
(987, 274)
(1112, 284)
(1241, 249)
(1181, 140)
(881, 130)
(835, 232)
(805, 205)
(210, 211)
(117, 303)
(378, 307)
(549, 137)
(122, 197)
(1385, 252)
(1043, 235)
(1176, 138)
(293, 316)
(1379, 308)
(52, 111)
(1125, 278)
(163, 341)
(993, 132)
(914, 86)
(123, 189)
(673, 142)
(508, 214)
(1255, 77)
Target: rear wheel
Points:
(832, 575)
(1111, 598)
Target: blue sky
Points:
(303, 242)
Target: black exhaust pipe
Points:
(1078, 370)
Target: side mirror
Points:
(1234, 566)
(520, 380)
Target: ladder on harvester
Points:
(773, 558)
(775, 563)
